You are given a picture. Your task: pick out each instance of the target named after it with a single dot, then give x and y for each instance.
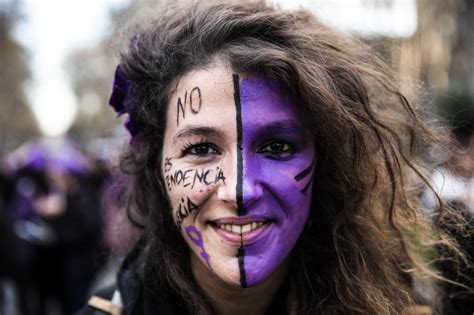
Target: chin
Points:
(258, 269)
(228, 272)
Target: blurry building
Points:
(17, 123)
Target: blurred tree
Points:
(441, 56)
(17, 123)
(91, 71)
(441, 52)
(459, 107)
(427, 55)
(462, 65)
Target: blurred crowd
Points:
(61, 229)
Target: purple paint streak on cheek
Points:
(274, 189)
(195, 236)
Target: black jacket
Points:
(136, 299)
(139, 299)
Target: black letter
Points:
(191, 206)
(185, 177)
(191, 100)
(220, 176)
(182, 106)
(168, 164)
(205, 177)
(199, 177)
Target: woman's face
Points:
(238, 167)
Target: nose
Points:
(251, 189)
(227, 190)
(242, 187)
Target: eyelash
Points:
(193, 144)
(290, 151)
(201, 142)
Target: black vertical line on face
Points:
(240, 257)
(238, 107)
(239, 195)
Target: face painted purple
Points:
(277, 169)
(238, 167)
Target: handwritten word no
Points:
(191, 176)
(195, 102)
(185, 208)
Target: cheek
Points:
(189, 187)
(290, 185)
(293, 206)
(287, 190)
(286, 197)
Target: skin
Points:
(235, 155)
(270, 189)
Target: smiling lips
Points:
(240, 230)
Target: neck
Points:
(227, 299)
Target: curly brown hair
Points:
(360, 251)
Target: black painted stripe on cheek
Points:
(305, 188)
(305, 172)
(238, 107)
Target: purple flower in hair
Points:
(121, 100)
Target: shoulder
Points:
(119, 298)
(135, 292)
(105, 301)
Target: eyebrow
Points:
(281, 127)
(196, 130)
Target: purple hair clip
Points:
(122, 102)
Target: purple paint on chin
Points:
(269, 186)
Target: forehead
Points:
(204, 96)
(212, 97)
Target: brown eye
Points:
(277, 149)
(201, 149)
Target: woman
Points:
(275, 168)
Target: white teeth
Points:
(236, 229)
(240, 229)
(246, 228)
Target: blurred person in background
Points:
(317, 163)
(25, 184)
(8, 256)
(54, 210)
